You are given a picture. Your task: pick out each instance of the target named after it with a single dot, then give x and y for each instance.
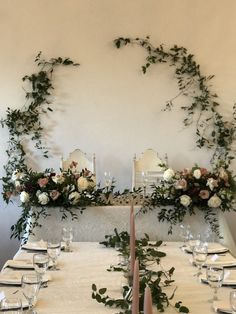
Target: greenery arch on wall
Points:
(212, 130)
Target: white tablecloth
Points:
(95, 222)
(69, 292)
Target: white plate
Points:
(213, 248)
(229, 280)
(35, 246)
(226, 260)
(14, 278)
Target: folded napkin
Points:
(229, 278)
(14, 278)
(19, 263)
(35, 246)
(222, 307)
(226, 260)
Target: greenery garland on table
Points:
(157, 280)
(212, 131)
(25, 123)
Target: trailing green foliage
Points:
(25, 124)
(212, 130)
(147, 254)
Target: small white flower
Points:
(214, 201)
(212, 183)
(17, 175)
(168, 174)
(197, 174)
(17, 184)
(74, 197)
(82, 183)
(24, 197)
(185, 200)
(58, 178)
(43, 198)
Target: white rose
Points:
(185, 200)
(74, 197)
(17, 175)
(212, 183)
(58, 178)
(168, 174)
(82, 183)
(24, 197)
(214, 201)
(197, 173)
(43, 198)
(17, 184)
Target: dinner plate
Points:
(35, 246)
(226, 260)
(229, 278)
(14, 278)
(213, 248)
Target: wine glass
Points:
(40, 262)
(199, 257)
(144, 182)
(215, 276)
(11, 306)
(67, 236)
(184, 234)
(54, 250)
(108, 179)
(30, 287)
(193, 240)
(232, 299)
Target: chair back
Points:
(81, 158)
(147, 170)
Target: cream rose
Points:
(24, 197)
(74, 197)
(92, 183)
(168, 174)
(197, 174)
(58, 178)
(185, 200)
(43, 198)
(214, 201)
(212, 183)
(82, 183)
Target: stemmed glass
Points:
(215, 276)
(232, 299)
(11, 306)
(30, 287)
(40, 262)
(144, 182)
(67, 237)
(184, 234)
(199, 257)
(54, 250)
(108, 179)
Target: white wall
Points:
(106, 106)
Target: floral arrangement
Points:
(192, 189)
(38, 191)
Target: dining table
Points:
(69, 289)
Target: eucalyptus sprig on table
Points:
(25, 124)
(157, 280)
(212, 130)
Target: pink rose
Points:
(181, 184)
(204, 194)
(73, 164)
(42, 182)
(54, 194)
(203, 171)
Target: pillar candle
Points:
(135, 289)
(132, 242)
(147, 307)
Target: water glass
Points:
(30, 284)
(232, 299)
(215, 276)
(184, 234)
(11, 306)
(199, 257)
(54, 250)
(67, 237)
(40, 262)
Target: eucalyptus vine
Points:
(212, 130)
(25, 123)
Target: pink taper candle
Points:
(132, 242)
(147, 307)
(135, 289)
